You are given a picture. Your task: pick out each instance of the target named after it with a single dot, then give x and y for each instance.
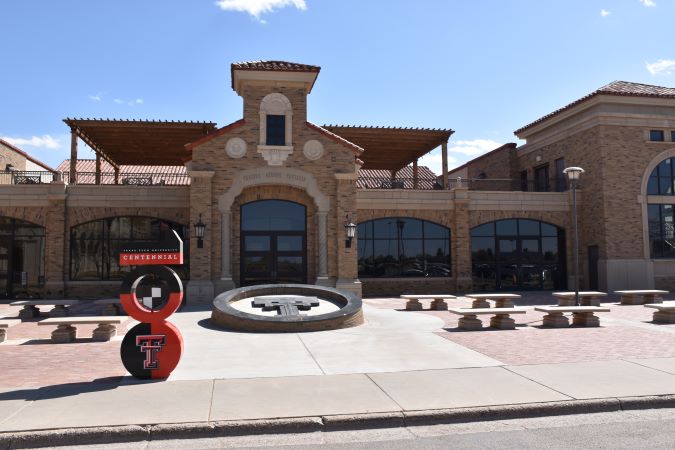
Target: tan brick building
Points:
(277, 194)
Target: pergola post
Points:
(415, 175)
(98, 169)
(72, 177)
(117, 175)
(444, 162)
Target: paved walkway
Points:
(397, 362)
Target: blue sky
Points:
(483, 68)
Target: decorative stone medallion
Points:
(235, 147)
(313, 150)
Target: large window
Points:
(94, 246)
(22, 252)
(517, 254)
(403, 247)
(661, 179)
(661, 231)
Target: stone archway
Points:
(274, 176)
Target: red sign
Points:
(147, 259)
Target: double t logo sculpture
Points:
(152, 349)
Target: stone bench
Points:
(112, 306)
(437, 301)
(30, 307)
(3, 331)
(586, 298)
(66, 332)
(501, 300)
(665, 313)
(583, 316)
(641, 297)
(500, 319)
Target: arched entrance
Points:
(273, 242)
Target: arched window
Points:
(403, 247)
(94, 246)
(661, 215)
(517, 254)
(276, 116)
(661, 180)
(22, 254)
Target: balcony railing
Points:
(27, 177)
(473, 184)
(131, 178)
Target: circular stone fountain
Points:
(286, 308)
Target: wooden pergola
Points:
(392, 148)
(134, 142)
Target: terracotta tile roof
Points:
(339, 139)
(283, 66)
(169, 175)
(25, 155)
(616, 88)
(213, 134)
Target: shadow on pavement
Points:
(62, 390)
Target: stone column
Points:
(461, 234)
(347, 265)
(226, 283)
(322, 248)
(56, 231)
(200, 288)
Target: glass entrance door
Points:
(5, 268)
(273, 243)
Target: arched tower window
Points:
(276, 121)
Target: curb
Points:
(341, 422)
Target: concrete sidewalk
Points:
(395, 370)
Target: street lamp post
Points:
(573, 174)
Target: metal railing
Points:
(473, 184)
(27, 177)
(130, 178)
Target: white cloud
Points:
(96, 98)
(474, 148)
(44, 141)
(434, 161)
(258, 7)
(648, 3)
(139, 101)
(661, 67)
(605, 13)
(119, 101)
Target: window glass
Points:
(506, 227)
(95, 246)
(528, 227)
(403, 247)
(276, 130)
(272, 215)
(656, 135)
(672, 136)
(487, 229)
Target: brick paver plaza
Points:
(30, 360)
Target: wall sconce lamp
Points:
(350, 228)
(200, 227)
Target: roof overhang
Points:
(390, 148)
(139, 142)
(240, 77)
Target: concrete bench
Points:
(641, 297)
(112, 306)
(437, 301)
(500, 319)
(665, 313)
(582, 315)
(3, 331)
(66, 332)
(501, 300)
(586, 298)
(30, 307)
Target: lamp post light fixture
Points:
(573, 175)
(200, 227)
(350, 229)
